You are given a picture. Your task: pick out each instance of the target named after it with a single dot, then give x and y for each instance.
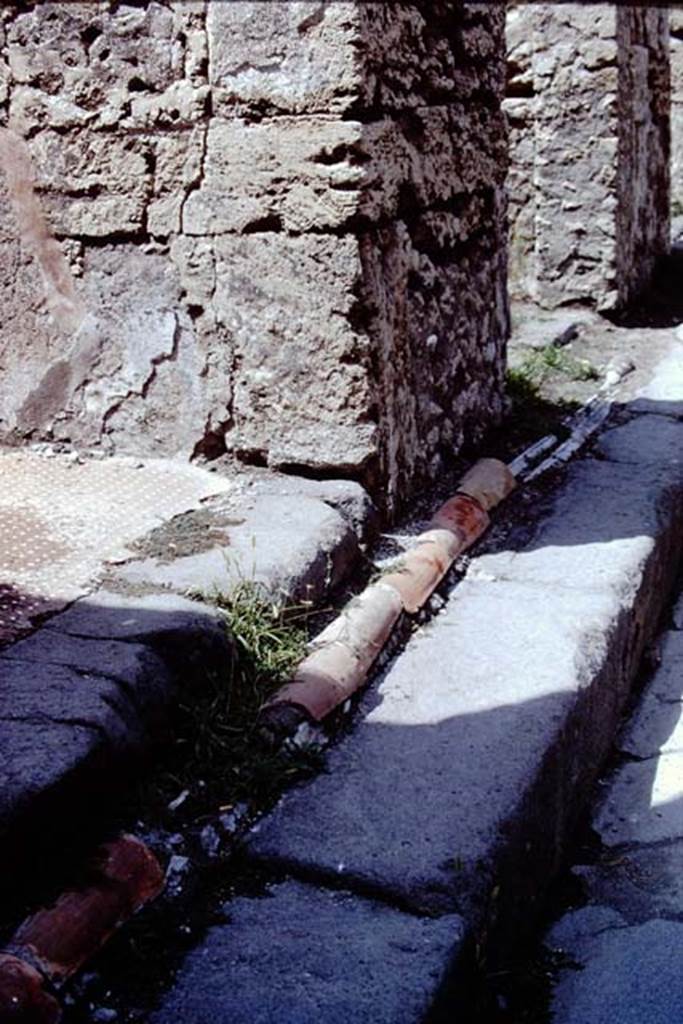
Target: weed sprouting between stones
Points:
(530, 415)
(217, 760)
(541, 363)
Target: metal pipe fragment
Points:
(586, 423)
(526, 459)
(51, 945)
(343, 653)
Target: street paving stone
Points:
(303, 955)
(657, 726)
(645, 439)
(640, 883)
(93, 688)
(644, 803)
(628, 975)
(295, 547)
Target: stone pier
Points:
(588, 101)
(677, 113)
(272, 232)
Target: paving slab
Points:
(642, 883)
(295, 547)
(55, 693)
(645, 439)
(626, 944)
(630, 974)
(135, 666)
(662, 395)
(154, 618)
(347, 497)
(65, 748)
(608, 524)
(305, 955)
(91, 690)
(657, 725)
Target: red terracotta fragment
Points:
(22, 996)
(53, 943)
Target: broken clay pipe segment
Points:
(456, 525)
(53, 943)
(342, 654)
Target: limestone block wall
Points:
(677, 111)
(588, 103)
(279, 231)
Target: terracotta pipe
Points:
(55, 942)
(343, 653)
(489, 482)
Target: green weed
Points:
(530, 414)
(543, 363)
(217, 756)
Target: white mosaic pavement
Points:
(62, 519)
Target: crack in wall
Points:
(143, 391)
(196, 184)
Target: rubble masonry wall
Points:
(280, 231)
(677, 111)
(588, 102)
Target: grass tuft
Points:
(544, 362)
(217, 755)
(530, 414)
